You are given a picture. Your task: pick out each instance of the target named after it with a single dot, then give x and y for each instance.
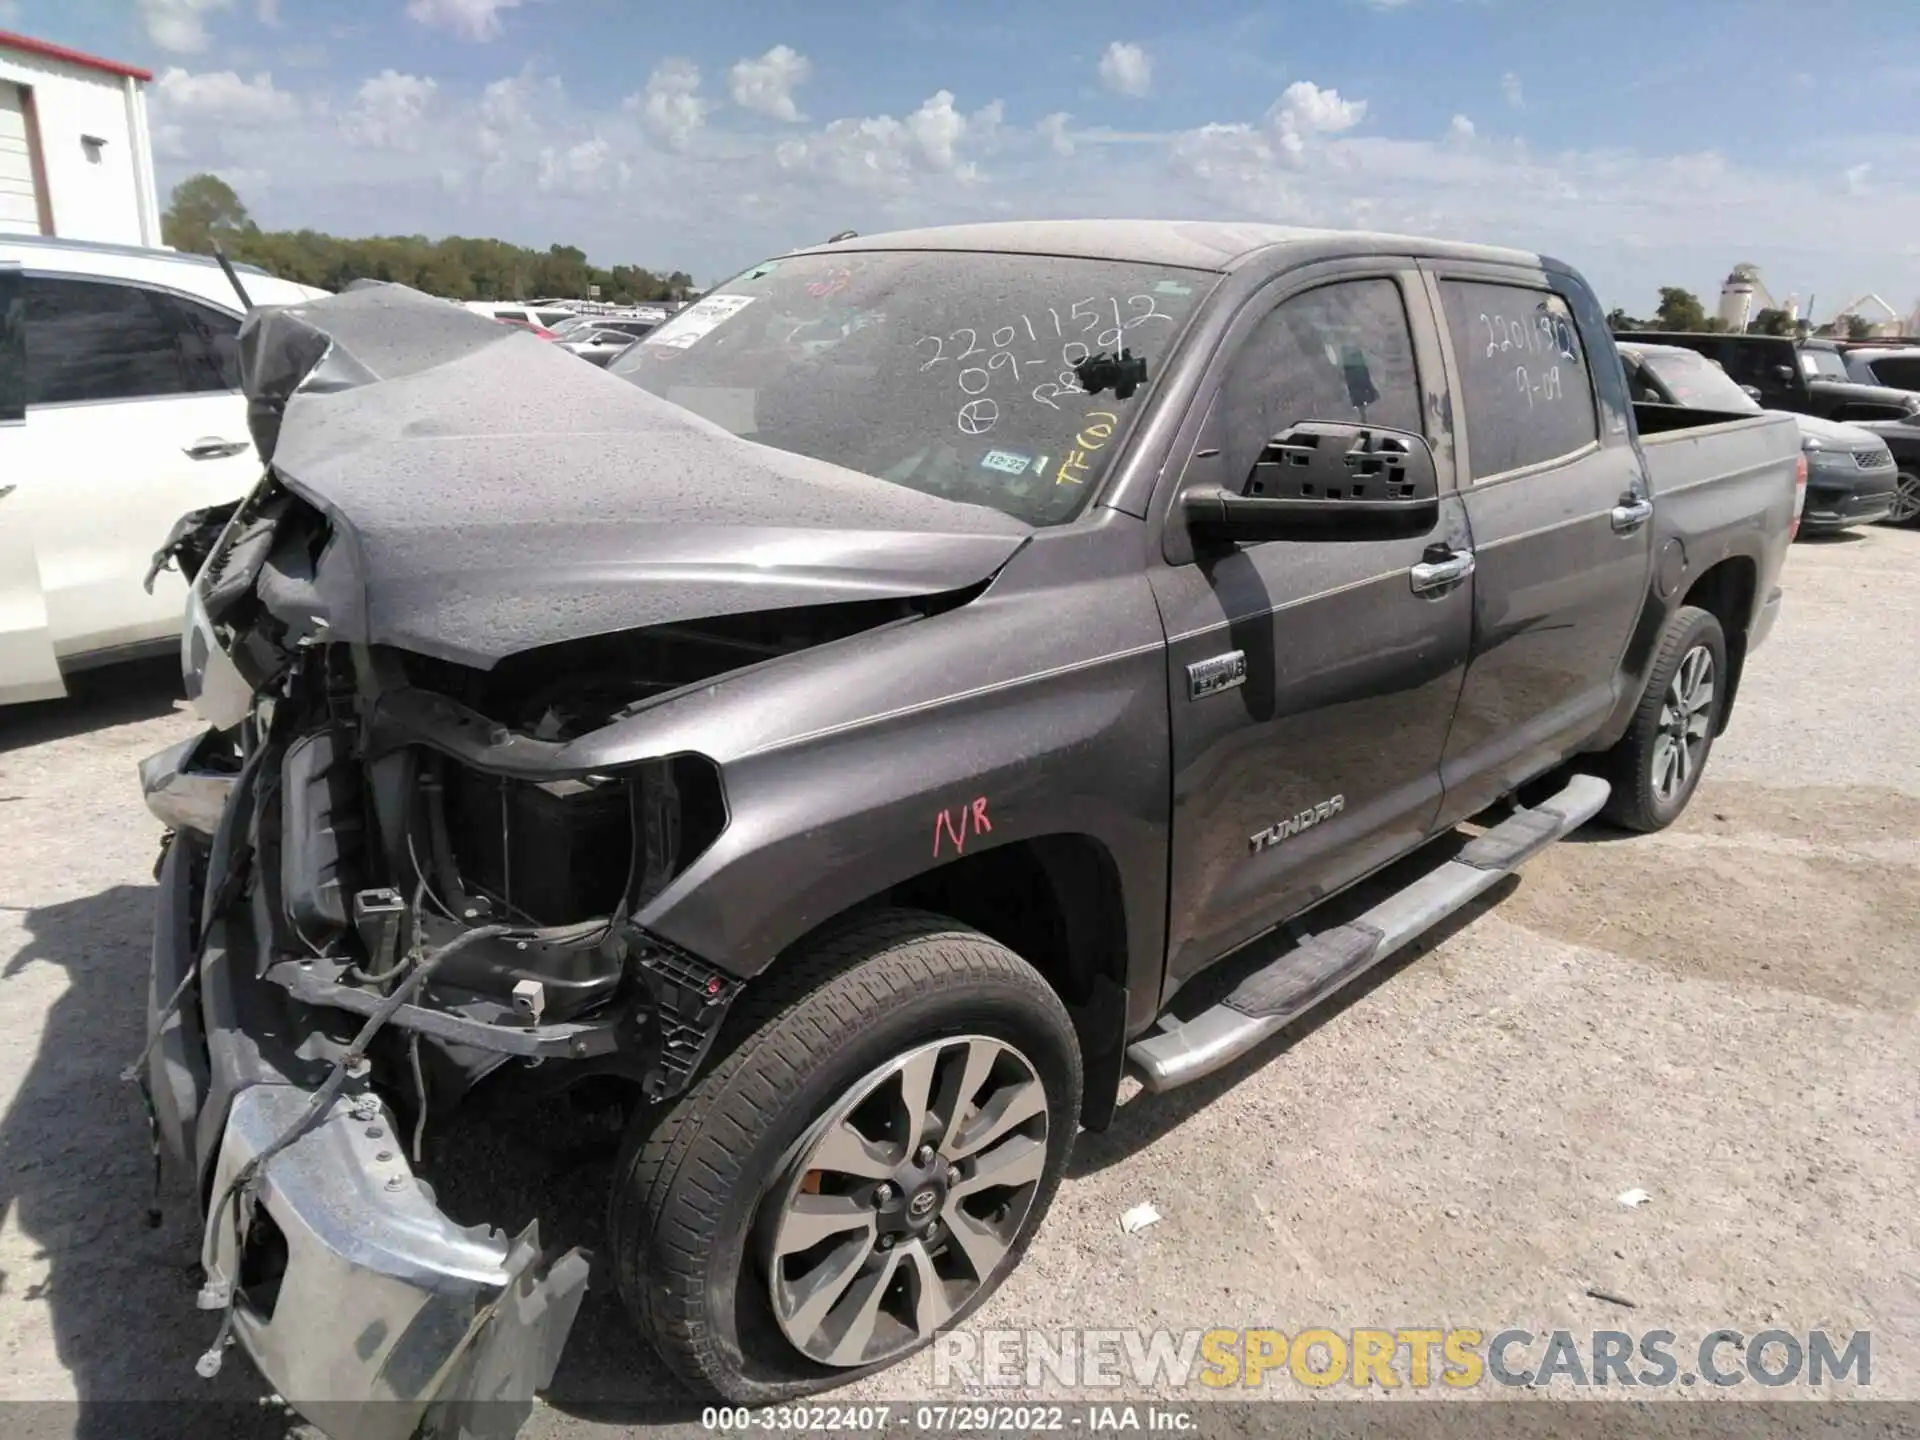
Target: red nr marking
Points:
(955, 825)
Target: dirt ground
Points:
(1725, 1016)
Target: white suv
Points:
(120, 410)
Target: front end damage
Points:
(407, 866)
(355, 930)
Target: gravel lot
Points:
(1726, 1016)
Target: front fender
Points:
(818, 825)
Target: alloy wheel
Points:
(1906, 498)
(1686, 718)
(900, 1203)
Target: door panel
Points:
(133, 418)
(101, 487)
(1324, 763)
(1561, 527)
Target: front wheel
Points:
(1906, 497)
(860, 1171)
(1657, 764)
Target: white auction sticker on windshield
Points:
(697, 320)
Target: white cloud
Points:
(883, 149)
(508, 118)
(267, 12)
(611, 180)
(1126, 69)
(1511, 88)
(468, 19)
(671, 105)
(1053, 129)
(388, 111)
(179, 25)
(766, 85)
(587, 168)
(1857, 177)
(220, 96)
(1304, 111)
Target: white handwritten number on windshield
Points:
(1088, 327)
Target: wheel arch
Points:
(1728, 591)
(1057, 901)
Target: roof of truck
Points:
(1190, 244)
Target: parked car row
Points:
(1859, 427)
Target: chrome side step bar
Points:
(1270, 999)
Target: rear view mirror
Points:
(1323, 480)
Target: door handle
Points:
(212, 447)
(1631, 513)
(1431, 577)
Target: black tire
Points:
(689, 1184)
(1637, 802)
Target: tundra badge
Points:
(1222, 672)
(1294, 824)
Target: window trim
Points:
(40, 273)
(1543, 283)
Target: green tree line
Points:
(204, 210)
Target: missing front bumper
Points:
(360, 1301)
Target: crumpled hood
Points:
(490, 493)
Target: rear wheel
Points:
(862, 1169)
(1657, 764)
(1906, 497)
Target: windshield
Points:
(1823, 365)
(950, 373)
(1696, 382)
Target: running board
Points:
(1270, 999)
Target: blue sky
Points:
(1646, 143)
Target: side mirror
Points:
(1753, 391)
(1324, 481)
(1785, 374)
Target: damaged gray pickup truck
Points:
(846, 725)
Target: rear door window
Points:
(209, 342)
(1523, 373)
